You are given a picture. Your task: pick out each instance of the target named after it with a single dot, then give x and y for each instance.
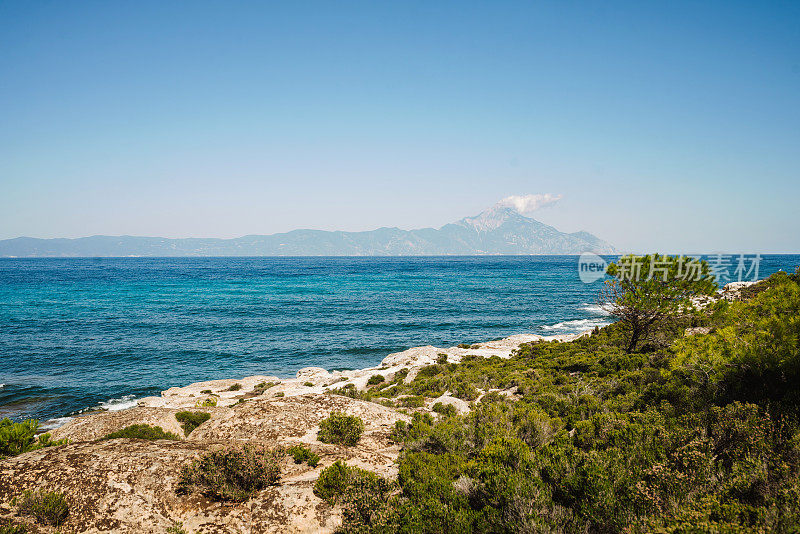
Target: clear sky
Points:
(670, 127)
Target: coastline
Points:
(320, 379)
(317, 380)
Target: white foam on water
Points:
(578, 325)
(54, 423)
(597, 309)
(122, 403)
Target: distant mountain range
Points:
(498, 230)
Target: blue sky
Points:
(672, 127)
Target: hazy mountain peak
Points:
(493, 218)
(501, 229)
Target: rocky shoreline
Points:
(128, 485)
(316, 380)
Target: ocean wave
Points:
(54, 423)
(122, 403)
(596, 309)
(576, 325)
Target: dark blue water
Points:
(77, 333)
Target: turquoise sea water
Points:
(77, 334)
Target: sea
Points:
(81, 334)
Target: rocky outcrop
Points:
(128, 485)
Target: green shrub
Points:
(337, 478)
(47, 507)
(207, 392)
(375, 380)
(280, 394)
(206, 403)
(176, 528)
(448, 410)
(302, 454)
(332, 481)
(261, 387)
(16, 438)
(142, 431)
(8, 528)
(430, 370)
(412, 401)
(231, 474)
(363, 501)
(308, 384)
(191, 420)
(340, 429)
(235, 387)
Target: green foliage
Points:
(206, 403)
(176, 528)
(650, 292)
(308, 384)
(142, 431)
(231, 474)
(340, 429)
(47, 507)
(361, 494)
(191, 420)
(302, 454)
(332, 481)
(375, 380)
(447, 410)
(753, 352)
(699, 435)
(235, 387)
(8, 528)
(16, 438)
(261, 387)
(412, 401)
(280, 394)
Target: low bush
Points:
(280, 394)
(231, 474)
(47, 507)
(191, 420)
(337, 479)
(206, 403)
(332, 481)
(147, 432)
(340, 429)
(16, 438)
(447, 410)
(412, 401)
(261, 387)
(9, 528)
(375, 380)
(235, 387)
(308, 384)
(302, 454)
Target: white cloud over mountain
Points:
(528, 203)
